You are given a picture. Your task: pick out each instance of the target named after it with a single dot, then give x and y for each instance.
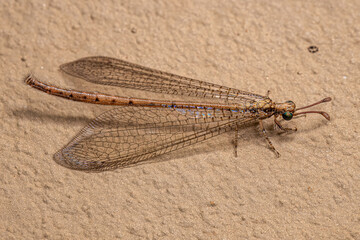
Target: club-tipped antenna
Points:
(324, 114)
(328, 99)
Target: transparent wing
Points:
(116, 72)
(126, 136)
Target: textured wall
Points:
(204, 192)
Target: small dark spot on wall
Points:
(313, 49)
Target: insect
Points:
(143, 128)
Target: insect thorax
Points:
(261, 109)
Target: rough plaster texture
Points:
(311, 192)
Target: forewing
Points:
(116, 72)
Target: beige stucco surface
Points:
(203, 192)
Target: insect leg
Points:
(285, 129)
(236, 139)
(267, 93)
(271, 146)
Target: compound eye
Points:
(290, 102)
(287, 116)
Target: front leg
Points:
(283, 128)
(267, 93)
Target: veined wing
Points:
(116, 72)
(127, 136)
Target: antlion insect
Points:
(144, 128)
